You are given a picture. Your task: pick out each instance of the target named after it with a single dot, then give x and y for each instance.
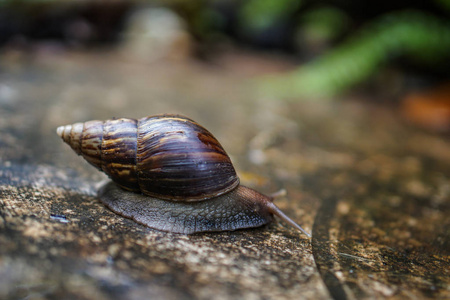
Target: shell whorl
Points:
(166, 156)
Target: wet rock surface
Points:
(374, 192)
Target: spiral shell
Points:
(165, 156)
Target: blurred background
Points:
(394, 53)
(344, 104)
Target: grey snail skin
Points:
(170, 174)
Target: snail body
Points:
(170, 174)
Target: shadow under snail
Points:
(170, 174)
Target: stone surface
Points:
(374, 192)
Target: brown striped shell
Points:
(165, 156)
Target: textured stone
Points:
(374, 192)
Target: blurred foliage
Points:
(345, 42)
(421, 37)
(379, 34)
(324, 23)
(257, 15)
(444, 3)
(318, 29)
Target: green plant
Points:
(413, 34)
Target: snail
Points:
(170, 174)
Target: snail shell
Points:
(166, 156)
(182, 177)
